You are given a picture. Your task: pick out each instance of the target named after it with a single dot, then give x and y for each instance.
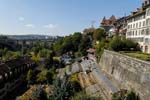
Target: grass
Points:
(139, 55)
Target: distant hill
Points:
(31, 37)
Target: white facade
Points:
(138, 29)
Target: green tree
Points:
(45, 76)
(98, 34)
(117, 44)
(30, 76)
(132, 96)
(62, 90)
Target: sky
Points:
(58, 17)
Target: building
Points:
(91, 54)
(121, 26)
(108, 25)
(138, 26)
(12, 75)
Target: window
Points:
(136, 32)
(136, 25)
(133, 33)
(140, 24)
(147, 31)
(148, 22)
(143, 23)
(148, 12)
(139, 32)
(142, 32)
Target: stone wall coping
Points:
(116, 53)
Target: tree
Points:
(45, 76)
(85, 44)
(132, 96)
(62, 90)
(122, 44)
(98, 34)
(76, 39)
(30, 76)
(3, 37)
(116, 44)
(39, 94)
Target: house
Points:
(67, 58)
(108, 25)
(121, 26)
(138, 26)
(91, 54)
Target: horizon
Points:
(58, 18)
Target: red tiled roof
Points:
(112, 18)
(91, 50)
(109, 21)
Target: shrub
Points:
(83, 96)
(122, 44)
(116, 44)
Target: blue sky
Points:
(58, 17)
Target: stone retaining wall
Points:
(132, 73)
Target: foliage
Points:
(45, 76)
(3, 37)
(85, 44)
(39, 94)
(98, 34)
(75, 43)
(75, 82)
(62, 89)
(30, 76)
(83, 96)
(6, 54)
(139, 55)
(130, 95)
(116, 97)
(116, 44)
(122, 44)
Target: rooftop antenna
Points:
(92, 23)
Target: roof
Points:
(107, 22)
(140, 10)
(17, 62)
(112, 18)
(3, 68)
(91, 50)
(134, 14)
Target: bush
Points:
(132, 96)
(83, 96)
(129, 95)
(119, 44)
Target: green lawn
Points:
(139, 55)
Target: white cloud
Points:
(30, 25)
(50, 26)
(21, 18)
